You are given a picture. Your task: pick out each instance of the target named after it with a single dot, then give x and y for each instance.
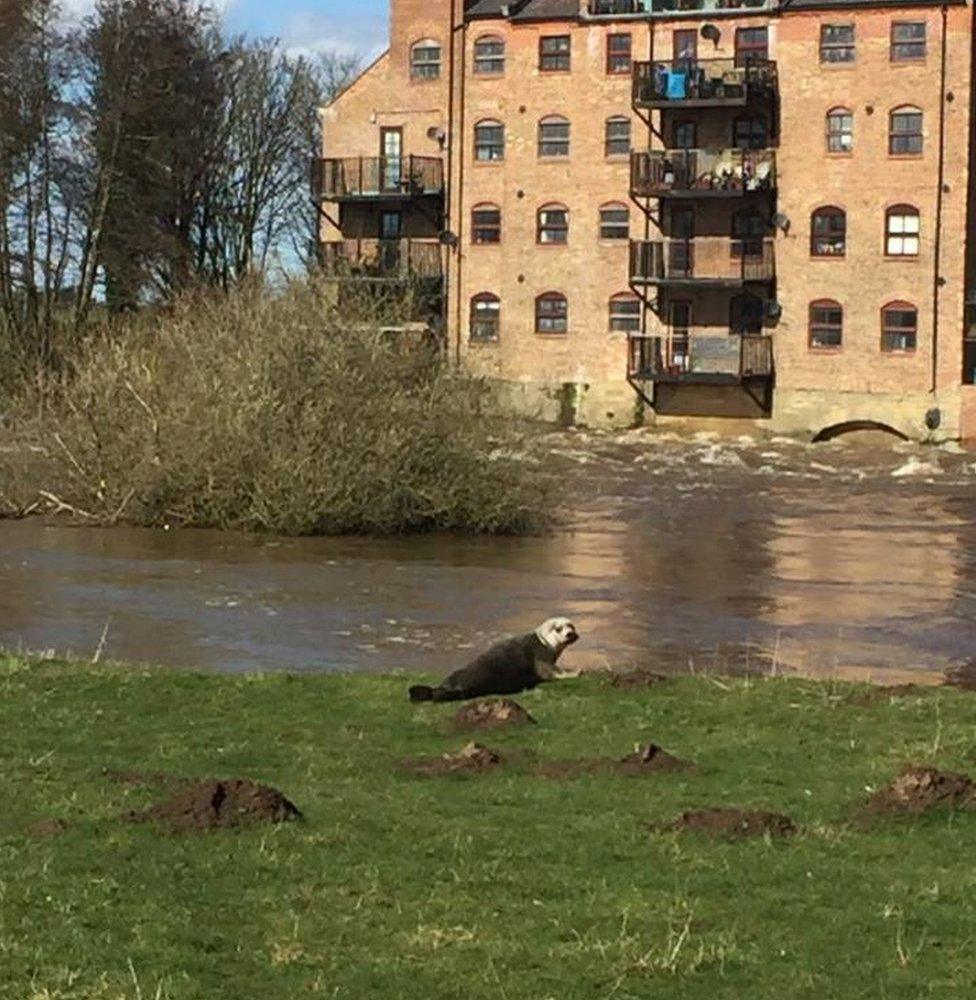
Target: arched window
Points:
(489, 140)
(551, 313)
(905, 132)
(826, 325)
(614, 221)
(617, 136)
(828, 232)
(485, 318)
(554, 136)
(902, 228)
(749, 133)
(486, 224)
(625, 313)
(840, 130)
(899, 327)
(552, 225)
(425, 60)
(489, 56)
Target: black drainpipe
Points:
(449, 176)
(937, 277)
(461, 139)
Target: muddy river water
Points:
(853, 557)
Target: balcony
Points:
(711, 360)
(702, 173)
(675, 8)
(703, 83)
(710, 261)
(382, 260)
(377, 177)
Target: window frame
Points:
(491, 74)
(825, 326)
(542, 316)
(608, 139)
(542, 227)
(839, 112)
(495, 306)
(484, 208)
(902, 211)
(904, 111)
(619, 299)
(492, 123)
(743, 53)
(614, 66)
(898, 331)
(558, 55)
(833, 46)
(416, 68)
(899, 43)
(752, 121)
(602, 225)
(563, 143)
(825, 212)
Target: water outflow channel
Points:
(848, 558)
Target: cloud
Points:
(308, 31)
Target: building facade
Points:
(646, 209)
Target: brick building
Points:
(742, 208)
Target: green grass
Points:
(509, 886)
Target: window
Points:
(486, 224)
(551, 313)
(685, 135)
(625, 313)
(905, 132)
(489, 141)
(828, 232)
(749, 231)
(554, 136)
(899, 327)
(837, 43)
(615, 222)
(618, 54)
(618, 137)
(489, 56)
(749, 133)
(902, 231)
(684, 45)
(554, 53)
(907, 41)
(485, 318)
(751, 45)
(840, 130)
(826, 325)
(553, 224)
(425, 60)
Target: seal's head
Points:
(557, 633)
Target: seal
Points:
(508, 667)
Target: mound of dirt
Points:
(919, 789)
(214, 805)
(733, 824)
(472, 758)
(962, 677)
(490, 714)
(635, 679)
(651, 759)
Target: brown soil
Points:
(640, 678)
(47, 828)
(733, 824)
(886, 693)
(918, 789)
(962, 677)
(214, 805)
(472, 758)
(649, 759)
(490, 714)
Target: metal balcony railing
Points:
(703, 82)
(394, 177)
(707, 260)
(703, 173)
(690, 357)
(382, 260)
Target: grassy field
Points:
(510, 885)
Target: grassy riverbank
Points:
(507, 885)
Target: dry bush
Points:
(280, 413)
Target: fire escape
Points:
(706, 269)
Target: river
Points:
(851, 558)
